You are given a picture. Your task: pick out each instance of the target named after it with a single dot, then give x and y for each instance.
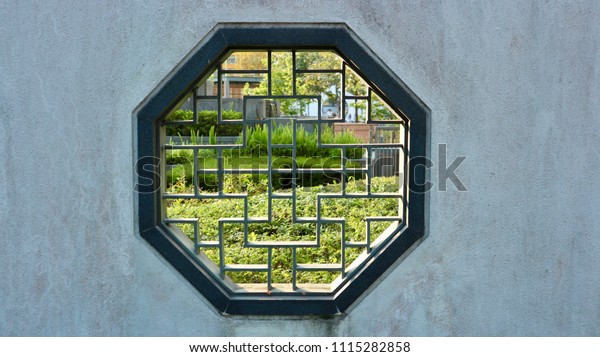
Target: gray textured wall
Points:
(512, 85)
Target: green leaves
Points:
(206, 120)
(307, 144)
(209, 211)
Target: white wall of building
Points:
(513, 86)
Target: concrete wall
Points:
(512, 85)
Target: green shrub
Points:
(206, 120)
(176, 157)
(181, 115)
(308, 155)
(257, 135)
(208, 182)
(208, 211)
(306, 142)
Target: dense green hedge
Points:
(257, 136)
(308, 153)
(208, 182)
(208, 211)
(306, 142)
(206, 120)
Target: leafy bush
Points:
(206, 120)
(308, 155)
(257, 136)
(208, 182)
(178, 157)
(208, 211)
(181, 115)
(347, 137)
(306, 142)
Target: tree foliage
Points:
(326, 85)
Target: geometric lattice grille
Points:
(283, 170)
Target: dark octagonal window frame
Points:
(216, 44)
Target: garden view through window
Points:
(283, 170)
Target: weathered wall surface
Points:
(512, 85)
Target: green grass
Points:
(306, 142)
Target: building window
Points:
(286, 178)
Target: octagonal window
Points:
(278, 173)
